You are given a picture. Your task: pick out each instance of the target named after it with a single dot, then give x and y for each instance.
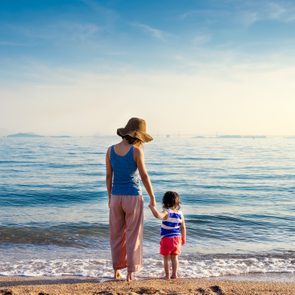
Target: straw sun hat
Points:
(135, 128)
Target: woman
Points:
(123, 162)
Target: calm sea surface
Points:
(238, 198)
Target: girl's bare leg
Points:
(167, 266)
(174, 260)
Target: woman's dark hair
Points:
(132, 140)
(171, 199)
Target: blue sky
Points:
(60, 60)
(144, 33)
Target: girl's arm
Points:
(109, 176)
(157, 214)
(183, 231)
(139, 158)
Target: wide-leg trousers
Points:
(126, 231)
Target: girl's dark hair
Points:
(171, 199)
(132, 140)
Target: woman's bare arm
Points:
(139, 158)
(109, 176)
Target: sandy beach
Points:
(43, 286)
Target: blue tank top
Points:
(125, 175)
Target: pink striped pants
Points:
(126, 231)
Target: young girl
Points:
(173, 231)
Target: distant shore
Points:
(58, 286)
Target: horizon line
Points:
(167, 135)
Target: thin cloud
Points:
(272, 11)
(97, 7)
(248, 18)
(59, 33)
(108, 16)
(276, 11)
(188, 14)
(153, 32)
(87, 29)
(247, 13)
(75, 31)
(201, 39)
(13, 44)
(281, 12)
(206, 13)
(245, 17)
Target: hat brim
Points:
(143, 136)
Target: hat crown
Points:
(135, 124)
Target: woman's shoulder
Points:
(137, 151)
(109, 150)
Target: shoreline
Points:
(84, 285)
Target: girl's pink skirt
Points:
(170, 246)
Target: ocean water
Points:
(238, 198)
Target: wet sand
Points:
(43, 286)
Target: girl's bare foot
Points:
(166, 278)
(117, 275)
(129, 276)
(173, 277)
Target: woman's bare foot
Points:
(117, 275)
(129, 276)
